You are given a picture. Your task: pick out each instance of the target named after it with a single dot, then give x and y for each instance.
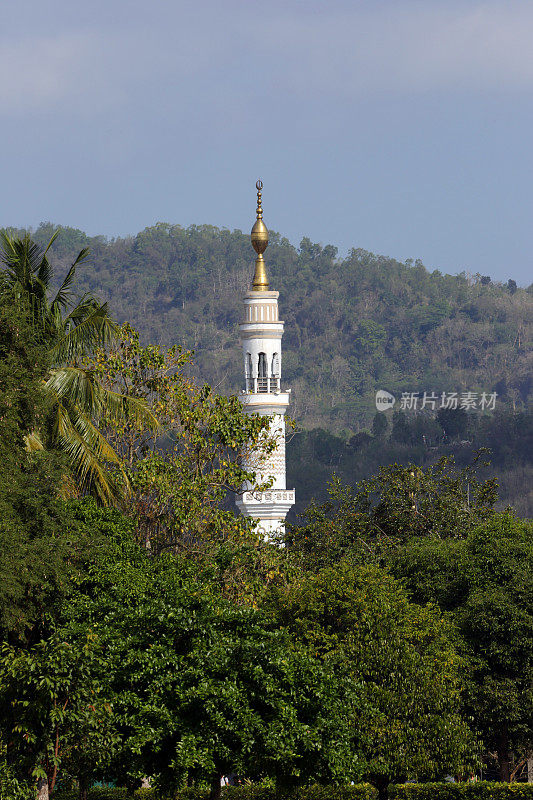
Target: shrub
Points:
(363, 791)
(11, 788)
(97, 793)
(360, 791)
(476, 790)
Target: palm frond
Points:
(81, 387)
(21, 255)
(52, 240)
(64, 295)
(77, 386)
(33, 442)
(121, 408)
(86, 327)
(27, 270)
(88, 451)
(74, 395)
(84, 308)
(45, 273)
(82, 255)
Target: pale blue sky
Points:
(401, 127)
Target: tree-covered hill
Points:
(353, 326)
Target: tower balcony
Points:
(271, 497)
(272, 402)
(274, 504)
(262, 385)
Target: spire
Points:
(259, 238)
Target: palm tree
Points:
(72, 328)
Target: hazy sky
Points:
(401, 127)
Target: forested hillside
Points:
(353, 326)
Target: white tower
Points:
(261, 334)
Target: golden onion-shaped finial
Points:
(259, 238)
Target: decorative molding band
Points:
(261, 334)
(261, 296)
(273, 496)
(260, 325)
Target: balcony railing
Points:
(262, 385)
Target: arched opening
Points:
(262, 374)
(249, 373)
(274, 381)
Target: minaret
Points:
(261, 334)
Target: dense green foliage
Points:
(353, 326)
(52, 707)
(358, 791)
(39, 540)
(12, 787)
(147, 669)
(69, 328)
(403, 659)
(485, 581)
(370, 522)
(473, 790)
(438, 532)
(314, 456)
(361, 791)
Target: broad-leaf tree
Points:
(485, 581)
(200, 687)
(149, 373)
(53, 709)
(404, 661)
(183, 478)
(372, 520)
